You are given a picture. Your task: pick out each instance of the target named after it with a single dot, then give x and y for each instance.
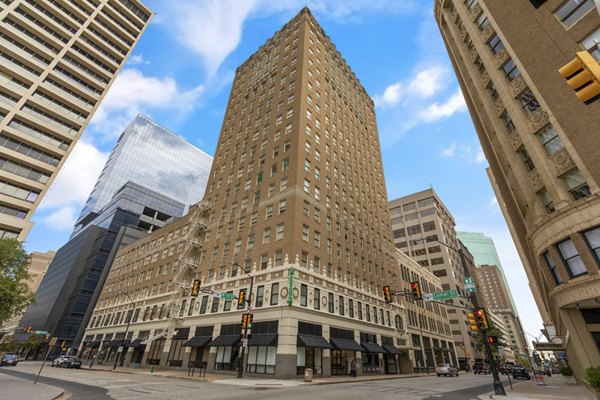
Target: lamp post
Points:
(126, 330)
(498, 387)
(240, 374)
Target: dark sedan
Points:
(71, 362)
(520, 372)
(9, 359)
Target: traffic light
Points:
(482, 318)
(241, 297)
(493, 340)
(247, 320)
(472, 321)
(27, 329)
(196, 288)
(387, 294)
(415, 287)
(583, 76)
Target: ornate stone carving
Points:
(499, 105)
(475, 11)
(538, 119)
(501, 56)
(485, 77)
(516, 140)
(473, 53)
(487, 32)
(463, 32)
(562, 162)
(536, 180)
(517, 85)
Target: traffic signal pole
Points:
(243, 344)
(498, 387)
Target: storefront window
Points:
(261, 359)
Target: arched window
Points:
(399, 324)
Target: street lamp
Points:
(498, 387)
(240, 374)
(126, 330)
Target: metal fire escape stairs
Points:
(186, 272)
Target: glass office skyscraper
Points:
(180, 171)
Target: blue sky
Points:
(181, 72)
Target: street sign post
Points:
(438, 296)
(469, 285)
(227, 296)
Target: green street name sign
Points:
(469, 283)
(227, 296)
(448, 294)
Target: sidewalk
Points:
(230, 379)
(556, 389)
(23, 389)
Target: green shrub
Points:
(592, 375)
(566, 371)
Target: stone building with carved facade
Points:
(540, 138)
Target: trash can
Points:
(308, 372)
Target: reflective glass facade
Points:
(155, 158)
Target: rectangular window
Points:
(510, 70)
(593, 240)
(341, 306)
(330, 305)
(592, 44)
(571, 258)
(495, 44)
(547, 200)
(528, 102)
(280, 231)
(508, 123)
(526, 158)
(260, 295)
(350, 308)
(274, 294)
(553, 269)
(204, 305)
(317, 299)
(576, 184)
(550, 140)
(359, 309)
(303, 295)
(571, 11)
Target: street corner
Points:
(23, 389)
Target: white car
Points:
(446, 369)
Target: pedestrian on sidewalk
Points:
(353, 368)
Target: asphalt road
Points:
(89, 384)
(76, 390)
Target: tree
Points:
(14, 292)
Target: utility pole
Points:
(498, 387)
(244, 342)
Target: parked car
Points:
(58, 360)
(446, 369)
(9, 359)
(506, 369)
(70, 362)
(520, 372)
(480, 368)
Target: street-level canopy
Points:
(372, 347)
(198, 341)
(391, 349)
(263, 339)
(225, 340)
(313, 341)
(345, 344)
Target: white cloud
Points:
(133, 93)
(429, 82)
(449, 151)
(390, 97)
(63, 219)
(493, 203)
(137, 60)
(77, 177)
(436, 111)
(210, 29)
(480, 157)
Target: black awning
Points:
(313, 341)
(111, 343)
(372, 347)
(225, 340)
(391, 349)
(345, 344)
(263, 339)
(198, 341)
(95, 343)
(137, 343)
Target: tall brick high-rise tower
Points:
(298, 200)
